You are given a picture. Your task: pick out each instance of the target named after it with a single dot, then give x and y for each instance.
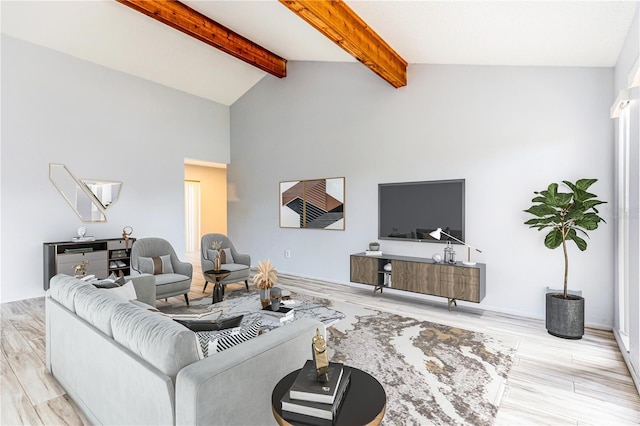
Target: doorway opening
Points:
(206, 212)
(192, 209)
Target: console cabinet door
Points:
(460, 283)
(97, 263)
(414, 276)
(364, 270)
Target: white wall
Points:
(102, 124)
(507, 130)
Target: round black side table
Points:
(218, 289)
(364, 404)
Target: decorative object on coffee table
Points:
(275, 296)
(265, 278)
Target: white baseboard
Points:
(439, 299)
(635, 375)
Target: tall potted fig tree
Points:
(568, 216)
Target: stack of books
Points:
(283, 314)
(316, 403)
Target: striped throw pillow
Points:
(217, 341)
(155, 265)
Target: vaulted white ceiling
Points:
(515, 32)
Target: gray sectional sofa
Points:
(124, 365)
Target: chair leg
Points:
(246, 284)
(205, 286)
(186, 298)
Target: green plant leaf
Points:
(553, 239)
(589, 221)
(575, 211)
(539, 223)
(563, 199)
(584, 184)
(541, 210)
(582, 244)
(590, 204)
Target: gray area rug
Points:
(432, 374)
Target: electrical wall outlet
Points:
(287, 254)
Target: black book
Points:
(307, 387)
(328, 412)
(283, 310)
(302, 419)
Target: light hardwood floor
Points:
(552, 382)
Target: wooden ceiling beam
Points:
(185, 19)
(343, 26)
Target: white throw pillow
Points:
(126, 292)
(211, 254)
(228, 255)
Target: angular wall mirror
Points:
(106, 192)
(88, 198)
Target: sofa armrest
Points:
(183, 268)
(145, 285)
(245, 259)
(246, 373)
(206, 264)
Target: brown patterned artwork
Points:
(314, 203)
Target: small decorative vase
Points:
(265, 297)
(216, 263)
(374, 246)
(276, 295)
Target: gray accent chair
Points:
(167, 285)
(240, 268)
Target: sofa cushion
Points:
(157, 339)
(96, 306)
(62, 288)
(155, 265)
(171, 278)
(234, 267)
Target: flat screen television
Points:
(411, 210)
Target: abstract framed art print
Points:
(312, 204)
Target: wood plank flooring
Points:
(552, 382)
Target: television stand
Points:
(454, 281)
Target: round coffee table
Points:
(218, 289)
(364, 404)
